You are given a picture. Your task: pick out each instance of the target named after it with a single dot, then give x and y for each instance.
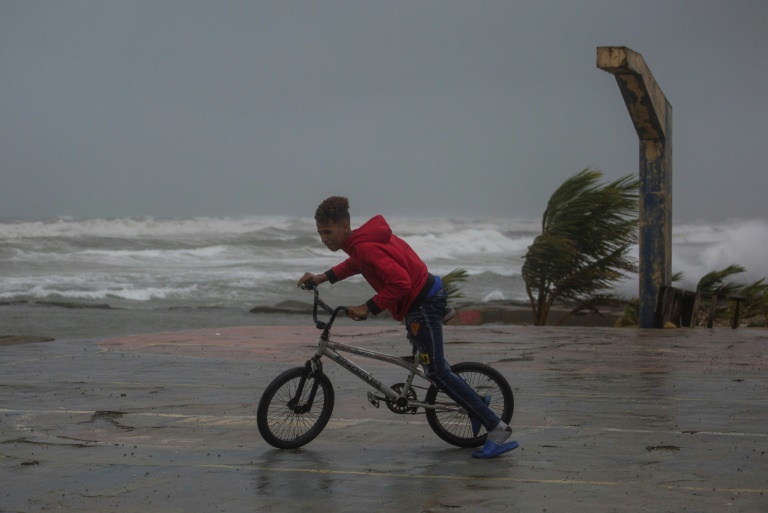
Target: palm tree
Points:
(755, 299)
(587, 230)
(714, 285)
(451, 283)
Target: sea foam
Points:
(241, 262)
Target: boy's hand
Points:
(316, 278)
(359, 313)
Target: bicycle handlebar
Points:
(332, 312)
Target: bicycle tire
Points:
(454, 427)
(282, 426)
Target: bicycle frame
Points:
(332, 350)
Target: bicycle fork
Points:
(315, 368)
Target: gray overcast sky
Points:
(435, 108)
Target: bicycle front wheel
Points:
(288, 416)
(455, 427)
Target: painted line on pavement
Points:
(568, 482)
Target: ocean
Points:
(204, 270)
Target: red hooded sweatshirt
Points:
(388, 264)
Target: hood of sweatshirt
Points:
(375, 229)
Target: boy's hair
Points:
(334, 209)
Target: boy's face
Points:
(333, 235)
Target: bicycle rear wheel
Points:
(454, 427)
(285, 418)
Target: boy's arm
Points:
(342, 271)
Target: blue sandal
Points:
(492, 449)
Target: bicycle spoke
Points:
(283, 418)
(455, 426)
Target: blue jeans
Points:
(424, 325)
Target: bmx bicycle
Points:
(297, 404)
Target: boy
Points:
(405, 288)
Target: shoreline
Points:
(40, 321)
(468, 313)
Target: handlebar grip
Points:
(346, 311)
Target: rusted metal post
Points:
(651, 114)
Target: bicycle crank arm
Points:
(400, 406)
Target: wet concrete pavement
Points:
(608, 420)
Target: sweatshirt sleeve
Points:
(342, 271)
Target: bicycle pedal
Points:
(373, 399)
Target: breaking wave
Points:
(242, 262)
